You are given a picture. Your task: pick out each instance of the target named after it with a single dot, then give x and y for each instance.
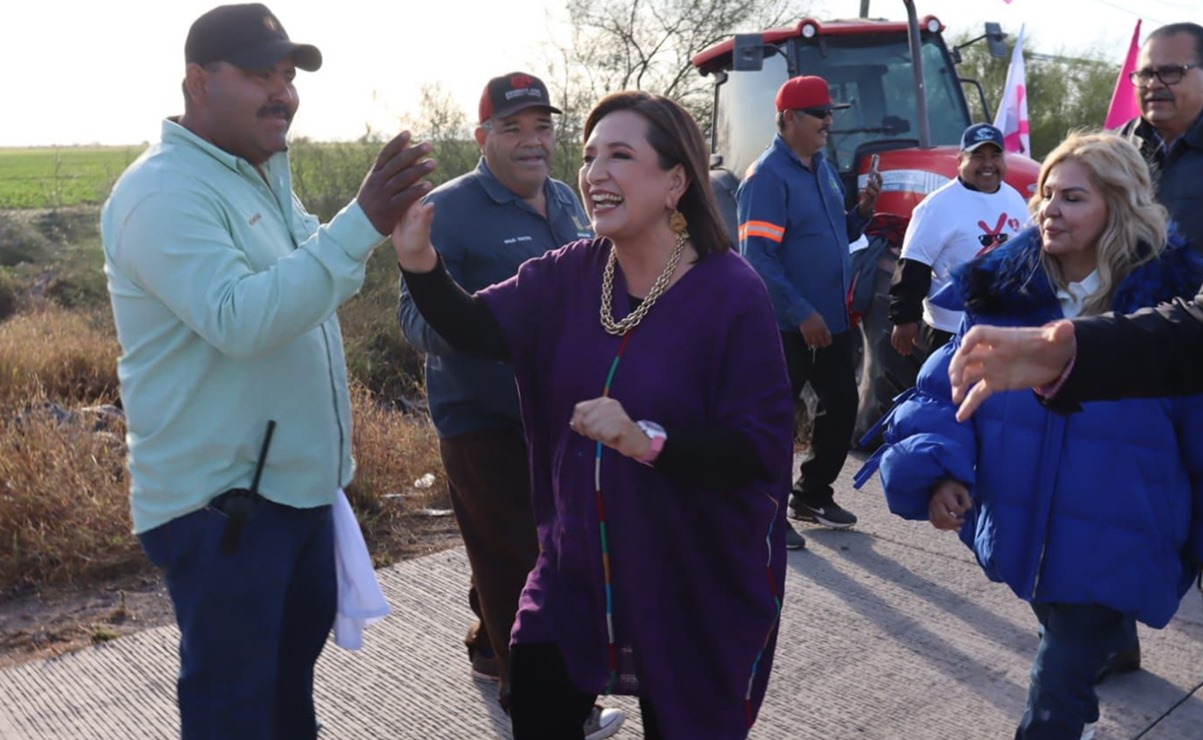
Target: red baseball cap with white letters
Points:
(510, 93)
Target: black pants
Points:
(832, 374)
(545, 705)
(932, 339)
(489, 479)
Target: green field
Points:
(326, 175)
(50, 177)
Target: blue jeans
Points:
(1077, 640)
(252, 622)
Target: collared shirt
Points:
(794, 231)
(484, 232)
(224, 292)
(1073, 296)
(1175, 168)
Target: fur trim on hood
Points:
(1008, 280)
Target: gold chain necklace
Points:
(618, 328)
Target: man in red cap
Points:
(793, 229)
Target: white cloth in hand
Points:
(360, 600)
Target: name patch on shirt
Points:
(516, 239)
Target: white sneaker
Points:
(603, 723)
(1088, 731)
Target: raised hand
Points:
(411, 239)
(867, 202)
(395, 182)
(992, 359)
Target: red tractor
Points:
(908, 108)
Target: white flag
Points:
(1012, 116)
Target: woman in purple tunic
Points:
(659, 421)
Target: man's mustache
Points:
(282, 111)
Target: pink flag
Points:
(1012, 116)
(1124, 106)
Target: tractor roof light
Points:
(933, 24)
(809, 28)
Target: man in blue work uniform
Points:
(794, 231)
(491, 220)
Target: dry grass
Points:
(63, 491)
(393, 451)
(52, 353)
(64, 510)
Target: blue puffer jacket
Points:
(1104, 506)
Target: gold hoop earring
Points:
(677, 222)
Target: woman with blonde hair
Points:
(1088, 514)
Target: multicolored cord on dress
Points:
(601, 515)
(768, 542)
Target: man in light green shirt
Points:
(225, 293)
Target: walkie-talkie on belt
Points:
(237, 502)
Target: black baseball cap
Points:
(248, 36)
(508, 94)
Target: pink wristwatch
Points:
(657, 436)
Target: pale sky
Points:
(108, 72)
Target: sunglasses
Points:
(991, 240)
(1170, 74)
(817, 112)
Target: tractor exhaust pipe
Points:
(912, 33)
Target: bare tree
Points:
(645, 45)
(648, 44)
(442, 122)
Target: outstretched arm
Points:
(992, 359)
(1154, 352)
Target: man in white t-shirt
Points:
(962, 219)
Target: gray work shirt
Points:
(484, 232)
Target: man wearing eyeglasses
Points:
(794, 231)
(961, 220)
(1169, 132)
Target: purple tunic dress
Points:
(697, 575)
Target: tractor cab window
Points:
(874, 73)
